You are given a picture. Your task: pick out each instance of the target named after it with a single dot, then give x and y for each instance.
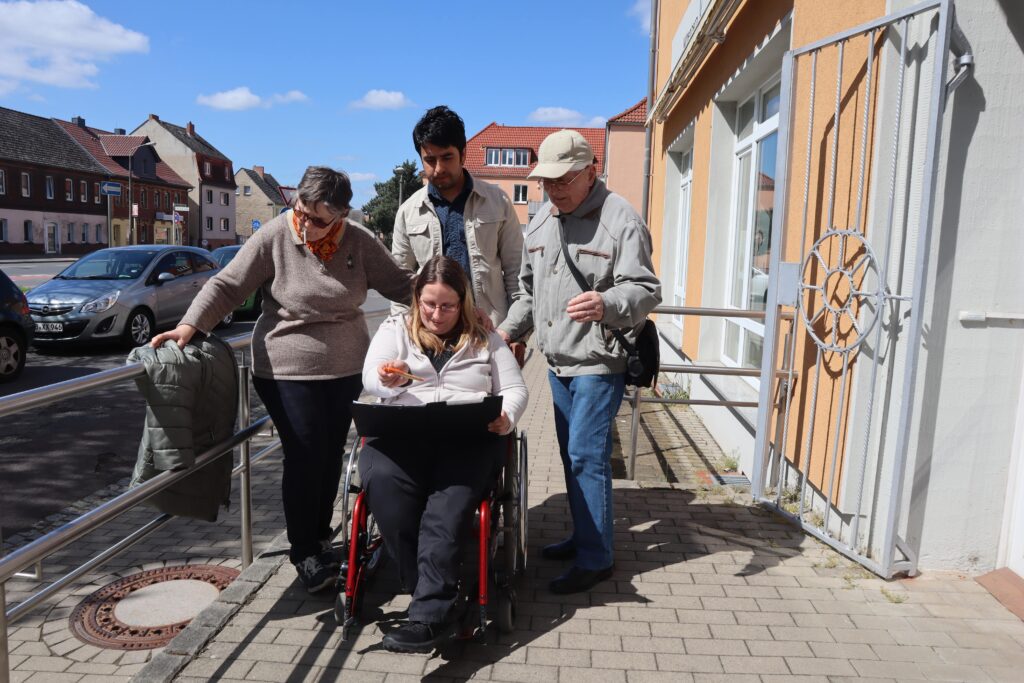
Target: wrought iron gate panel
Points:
(849, 258)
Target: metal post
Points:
(5, 664)
(633, 433)
(244, 415)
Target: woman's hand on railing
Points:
(180, 335)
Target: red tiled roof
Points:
(520, 137)
(635, 114)
(103, 146)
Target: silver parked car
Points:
(119, 293)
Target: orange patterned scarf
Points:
(324, 247)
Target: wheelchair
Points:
(499, 529)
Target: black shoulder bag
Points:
(642, 359)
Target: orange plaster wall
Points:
(625, 162)
(533, 193)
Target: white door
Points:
(683, 239)
(1015, 497)
(52, 238)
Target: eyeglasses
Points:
(429, 308)
(560, 183)
(314, 220)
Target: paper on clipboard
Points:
(429, 420)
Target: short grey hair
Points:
(323, 185)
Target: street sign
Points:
(177, 217)
(135, 210)
(255, 224)
(110, 188)
(181, 208)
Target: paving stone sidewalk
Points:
(706, 588)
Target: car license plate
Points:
(49, 327)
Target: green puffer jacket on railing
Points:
(191, 404)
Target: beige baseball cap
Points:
(562, 152)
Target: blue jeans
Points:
(585, 409)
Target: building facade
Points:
(211, 201)
(49, 190)
(624, 152)
(259, 199)
(838, 175)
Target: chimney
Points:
(119, 131)
(190, 129)
(78, 121)
(154, 117)
(258, 170)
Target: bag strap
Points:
(582, 282)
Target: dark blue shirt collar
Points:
(467, 187)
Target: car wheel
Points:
(139, 328)
(12, 354)
(228, 319)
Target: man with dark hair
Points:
(458, 216)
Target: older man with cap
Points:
(611, 248)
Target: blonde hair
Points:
(446, 271)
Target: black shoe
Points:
(417, 636)
(314, 574)
(329, 556)
(563, 550)
(577, 580)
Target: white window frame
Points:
(492, 156)
(526, 154)
(99, 233)
(71, 232)
(83, 191)
(743, 146)
(85, 233)
(227, 171)
(96, 196)
(209, 196)
(247, 190)
(209, 224)
(3, 182)
(682, 246)
(225, 224)
(508, 156)
(225, 199)
(49, 187)
(26, 184)
(69, 190)
(206, 169)
(520, 189)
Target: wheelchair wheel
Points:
(506, 611)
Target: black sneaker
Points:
(329, 556)
(417, 636)
(314, 574)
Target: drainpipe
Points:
(651, 83)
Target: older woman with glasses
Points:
(313, 267)
(423, 493)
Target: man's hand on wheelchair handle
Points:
(500, 424)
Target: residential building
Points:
(49, 189)
(624, 152)
(211, 201)
(258, 198)
(505, 155)
(840, 178)
(155, 187)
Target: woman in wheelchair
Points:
(423, 493)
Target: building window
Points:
(519, 192)
(83, 190)
(753, 199)
(3, 182)
(227, 171)
(225, 199)
(209, 223)
(177, 199)
(49, 187)
(142, 198)
(167, 202)
(247, 190)
(206, 168)
(209, 196)
(156, 199)
(71, 233)
(508, 157)
(99, 233)
(3, 229)
(85, 233)
(225, 224)
(28, 231)
(26, 185)
(493, 156)
(96, 196)
(522, 157)
(69, 189)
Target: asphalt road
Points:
(59, 454)
(33, 273)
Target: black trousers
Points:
(423, 496)
(312, 418)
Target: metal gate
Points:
(855, 181)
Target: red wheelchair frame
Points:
(500, 524)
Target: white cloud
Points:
(60, 43)
(358, 177)
(641, 9)
(7, 87)
(241, 98)
(382, 99)
(563, 116)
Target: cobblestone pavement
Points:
(706, 588)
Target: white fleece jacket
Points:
(470, 375)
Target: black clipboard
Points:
(449, 420)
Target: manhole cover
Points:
(146, 610)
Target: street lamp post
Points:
(400, 170)
(131, 197)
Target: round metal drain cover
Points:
(146, 610)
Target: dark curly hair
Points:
(442, 127)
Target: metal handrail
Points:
(35, 552)
(635, 398)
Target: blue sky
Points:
(337, 83)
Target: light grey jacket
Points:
(612, 249)
(493, 238)
(470, 375)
